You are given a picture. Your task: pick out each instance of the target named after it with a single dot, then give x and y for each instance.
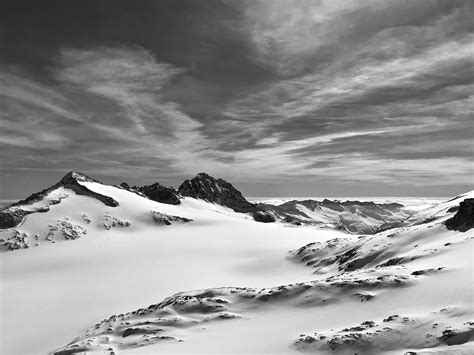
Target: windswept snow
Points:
(53, 291)
(120, 279)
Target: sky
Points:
(279, 97)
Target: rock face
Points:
(71, 181)
(12, 215)
(219, 191)
(264, 217)
(9, 218)
(160, 193)
(463, 220)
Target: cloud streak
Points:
(293, 93)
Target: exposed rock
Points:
(12, 215)
(160, 193)
(16, 241)
(110, 222)
(72, 231)
(463, 220)
(11, 218)
(164, 320)
(263, 217)
(371, 337)
(71, 181)
(219, 191)
(167, 220)
(125, 186)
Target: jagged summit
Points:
(72, 181)
(159, 193)
(76, 176)
(352, 216)
(72, 178)
(12, 215)
(205, 187)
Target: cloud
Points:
(28, 109)
(301, 92)
(305, 95)
(20, 89)
(130, 77)
(293, 37)
(134, 81)
(399, 79)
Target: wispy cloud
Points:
(288, 92)
(28, 111)
(134, 80)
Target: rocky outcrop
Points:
(11, 218)
(71, 181)
(165, 219)
(205, 187)
(168, 319)
(463, 220)
(264, 217)
(430, 330)
(12, 215)
(219, 191)
(16, 241)
(160, 193)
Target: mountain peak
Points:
(205, 175)
(159, 193)
(75, 176)
(12, 215)
(206, 187)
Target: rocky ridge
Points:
(205, 187)
(159, 193)
(359, 217)
(12, 215)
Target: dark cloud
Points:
(368, 96)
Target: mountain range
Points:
(350, 216)
(328, 276)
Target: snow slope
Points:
(271, 288)
(427, 301)
(51, 292)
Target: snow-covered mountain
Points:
(93, 205)
(350, 216)
(77, 204)
(320, 286)
(406, 289)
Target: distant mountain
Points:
(463, 219)
(219, 191)
(350, 216)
